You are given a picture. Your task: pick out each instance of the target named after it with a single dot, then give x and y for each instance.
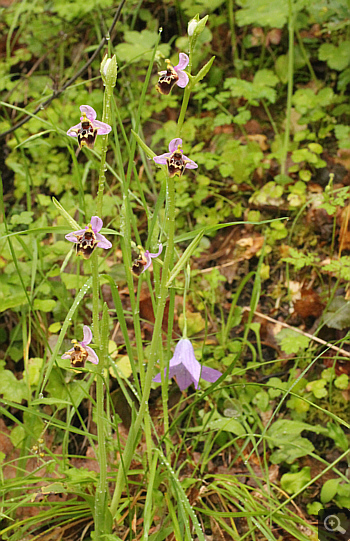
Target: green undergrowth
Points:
(256, 274)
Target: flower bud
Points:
(109, 69)
(192, 25)
(196, 26)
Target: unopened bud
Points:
(191, 27)
(109, 69)
(196, 26)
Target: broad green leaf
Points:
(272, 13)
(291, 341)
(228, 425)
(293, 482)
(11, 388)
(139, 45)
(44, 305)
(33, 370)
(337, 58)
(329, 490)
(337, 316)
(13, 302)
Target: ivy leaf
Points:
(337, 58)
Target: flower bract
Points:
(176, 161)
(87, 239)
(81, 352)
(186, 369)
(88, 127)
(173, 75)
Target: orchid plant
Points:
(183, 365)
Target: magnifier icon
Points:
(332, 524)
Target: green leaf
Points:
(44, 305)
(293, 482)
(55, 327)
(317, 387)
(13, 302)
(272, 13)
(285, 434)
(195, 322)
(337, 58)
(11, 388)
(228, 425)
(314, 507)
(17, 435)
(291, 341)
(139, 45)
(72, 281)
(342, 382)
(202, 73)
(24, 218)
(329, 490)
(337, 316)
(33, 370)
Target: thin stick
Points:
(57, 93)
(314, 338)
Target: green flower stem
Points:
(155, 346)
(101, 489)
(107, 98)
(184, 106)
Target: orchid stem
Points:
(102, 177)
(155, 345)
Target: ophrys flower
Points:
(81, 352)
(87, 239)
(173, 75)
(88, 128)
(176, 161)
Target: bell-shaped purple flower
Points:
(88, 128)
(87, 239)
(186, 369)
(176, 161)
(81, 352)
(173, 75)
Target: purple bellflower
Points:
(173, 75)
(81, 352)
(144, 260)
(88, 128)
(87, 239)
(185, 367)
(176, 161)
